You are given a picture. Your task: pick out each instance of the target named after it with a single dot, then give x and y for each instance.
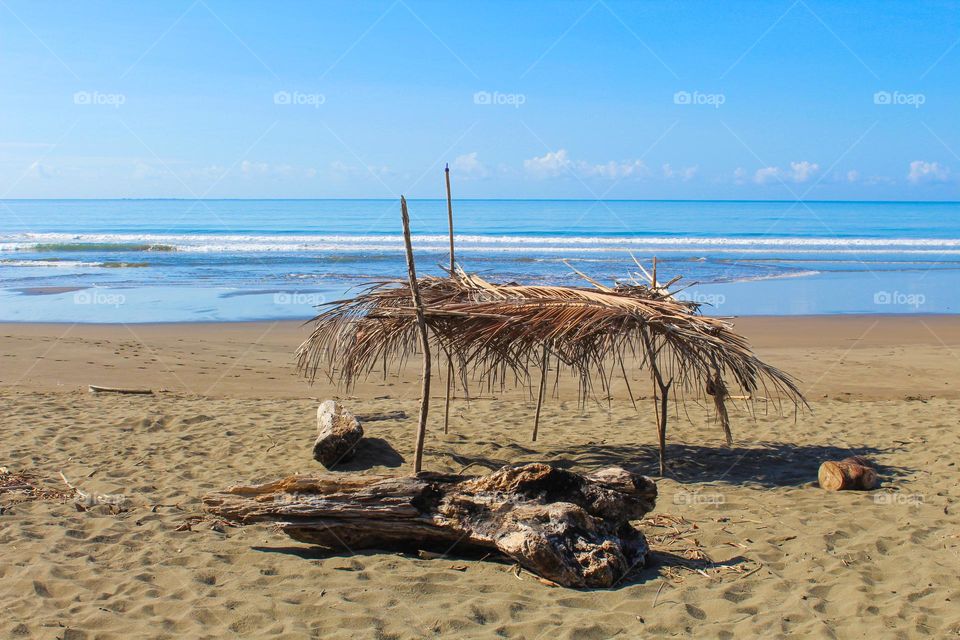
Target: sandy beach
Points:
(746, 544)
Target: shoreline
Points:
(918, 356)
(760, 317)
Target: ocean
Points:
(229, 260)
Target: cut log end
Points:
(854, 473)
(338, 433)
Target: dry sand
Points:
(787, 557)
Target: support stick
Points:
(663, 391)
(626, 381)
(446, 404)
(424, 341)
(662, 426)
(543, 387)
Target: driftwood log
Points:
(338, 433)
(855, 472)
(569, 528)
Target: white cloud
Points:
(469, 166)
(767, 174)
(614, 169)
(803, 170)
(39, 170)
(685, 174)
(555, 163)
(799, 172)
(927, 172)
(550, 165)
(740, 175)
(853, 175)
(248, 168)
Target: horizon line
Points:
(542, 199)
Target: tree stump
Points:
(855, 472)
(338, 433)
(569, 528)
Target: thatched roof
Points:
(494, 330)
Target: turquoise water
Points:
(180, 260)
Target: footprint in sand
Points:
(695, 612)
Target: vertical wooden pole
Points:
(446, 404)
(424, 340)
(662, 426)
(446, 172)
(544, 368)
(663, 391)
(626, 381)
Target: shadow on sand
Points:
(658, 562)
(768, 464)
(369, 453)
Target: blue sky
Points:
(736, 100)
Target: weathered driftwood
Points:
(855, 472)
(96, 388)
(338, 433)
(570, 528)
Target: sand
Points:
(787, 558)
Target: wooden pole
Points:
(543, 387)
(626, 381)
(446, 404)
(424, 341)
(446, 172)
(662, 426)
(663, 391)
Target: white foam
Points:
(70, 264)
(236, 243)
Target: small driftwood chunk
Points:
(855, 472)
(95, 388)
(569, 528)
(338, 433)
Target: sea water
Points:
(209, 260)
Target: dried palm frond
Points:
(495, 330)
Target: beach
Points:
(745, 543)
